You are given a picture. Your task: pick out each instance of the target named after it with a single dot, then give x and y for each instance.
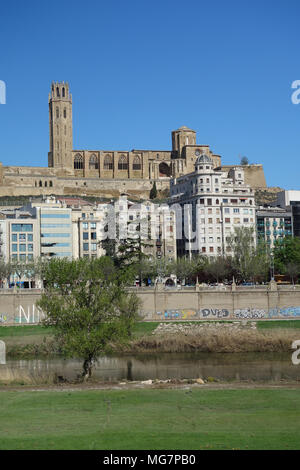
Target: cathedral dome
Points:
(204, 159)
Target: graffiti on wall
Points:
(3, 317)
(284, 312)
(191, 314)
(250, 313)
(177, 314)
(32, 314)
(214, 312)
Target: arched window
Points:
(123, 163)
(40, 184)
(93, 163)
(57, 91)
(57, 113)
(108, 163)
(46, 184)
(137, 163)
(65, 113)
(78, 162)
(50, 184)
(63, 92)
(164, 169)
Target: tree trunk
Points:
(87, 369)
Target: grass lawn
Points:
(21, 330)
(151, 419)
(262, 325)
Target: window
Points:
(227, 210)
(22, 247)
(22, 227)
(22, 237)
(65, 113)
(236, 211)
(14, 247)
(55, 216)
(108, 163)
(30, 247)
(14, 237)
(136, 163)
(209, 202)
(93, 236)
(123, 164)
(57, 113)
(78, 162)
(93, 246)
(211, 249)
(85, 235)
(93, 163)
(85, 247)
(227, 220)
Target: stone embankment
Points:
(194, 328)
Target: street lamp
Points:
(272, 266)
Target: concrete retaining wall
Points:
(192, 304)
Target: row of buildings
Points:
(202, 212)
(74, 228)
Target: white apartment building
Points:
(210, 203)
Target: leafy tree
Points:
(183, 268)
(244, 161)
(285, 252)
(217, 268)
(153, 192)
(243, 252)
(87, 304)
(5, 271)
(292, 270)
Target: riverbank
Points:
(24, 342)
(186, 418)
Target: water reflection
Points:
(250, 366)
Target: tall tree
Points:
(285, 252)
(87, 303)
(153, 192)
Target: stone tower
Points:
(182, 137)
(61, 129)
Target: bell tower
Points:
(61, 128)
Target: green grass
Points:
(22, 330)
(262, 325)
(151, 419)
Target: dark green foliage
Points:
(287, 257)
(153, 192)
(87, 304)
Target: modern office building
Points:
(273, 224)
(290, 200)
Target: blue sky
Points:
(139, 69)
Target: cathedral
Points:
(107, 173)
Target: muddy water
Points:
(249, 366)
